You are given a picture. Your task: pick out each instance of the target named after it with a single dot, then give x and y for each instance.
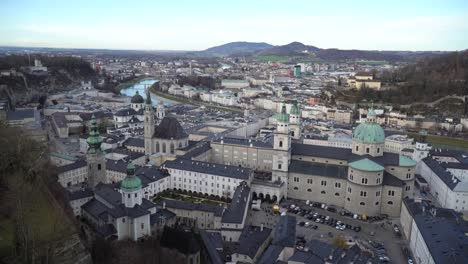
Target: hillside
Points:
(63, 73)
(35, 220)
(240, 47)
(291, 49)
(299, 50)
(426, 80)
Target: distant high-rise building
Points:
(297, 70)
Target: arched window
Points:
(295, 188)
(281, 144)
(390, 202)
(157, 146)
(292, 133)
(362, 203)
(376, 203)
(367, 150)
(172, 148)
(357, 148)
(164, 147)
(337, 194)
(309, 190)
(322, 192)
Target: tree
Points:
(340, 242)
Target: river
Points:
(140, 87)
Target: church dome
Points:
(137, 99)
(131, 182)
(370, 131)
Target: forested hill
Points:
(63, 73)
(427, 80)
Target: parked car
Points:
(301, 223)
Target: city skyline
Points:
(186, 25)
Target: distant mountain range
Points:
(297, 49)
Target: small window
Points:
(348, 199)
(295, 188)
(123, 220)
(279, 166)
(364, 180)
(378, 150)
(323, 192)
(390, 202)
(128, 196)
(376, 203)
(135, 195)
(362, 203)
(367, 150)
(281, 144)
(309, 190)
(337, 194)
(99, 166)
(357, 148)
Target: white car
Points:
(306, 224)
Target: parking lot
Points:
(379, 232)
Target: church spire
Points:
(148, 98)
(94, 140)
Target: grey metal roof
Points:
(149, 174)
(134, 142)
(391, 180)
(318, 169)
(78, 194)
(320, 151)
(449, 180)
(444, 237)
(305, 257)
(20, 114)
(196, 151)
(251, 239)
(212, 245)
(232, 140)
(240, 199)
(116, 165)
(161, 214)
(133, 155)
(72, 166)
(169, 128)
(271, 255)
(209, 168)
(216, 210)
(461, 156)
(284, 234)
(126, 112)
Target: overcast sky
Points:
(198, 24)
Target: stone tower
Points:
(160, 111)
(295, 121)
(95, 157)
(132, 193)
(282, 149)
(149, 125)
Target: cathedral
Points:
(364, 180)
(164, 138)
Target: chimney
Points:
(261, 227)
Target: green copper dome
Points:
(295, 109)
(366, 165)
(131, 182)
(370, 131)
(94, 140)
(283, 116)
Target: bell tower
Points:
(95, 157)
(295, 121)
(282, 150)
(149, 125)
